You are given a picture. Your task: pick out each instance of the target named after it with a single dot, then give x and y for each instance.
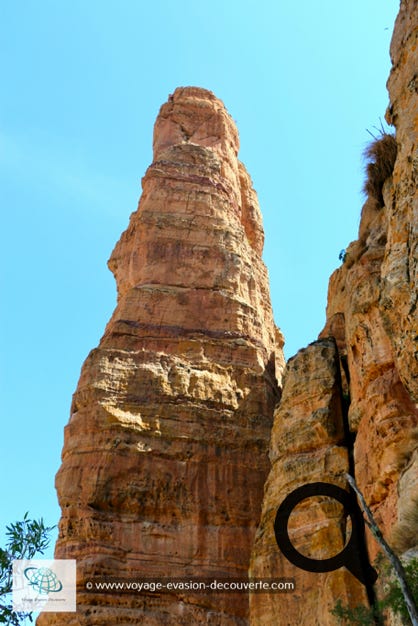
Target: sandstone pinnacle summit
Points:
(166, 450)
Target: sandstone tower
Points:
(166, 450)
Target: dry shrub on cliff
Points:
(381, 156)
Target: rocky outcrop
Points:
(400, 265)
(165, 454)
(166, 450)
(372, 321)
(307, 446)
(399, 295)
(376, 293)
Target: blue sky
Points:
(82, 84)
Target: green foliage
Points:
(24, 540)
(393, 599)
(359, 615)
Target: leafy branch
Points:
(25, 539)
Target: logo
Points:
(43, 579)
(44, 585)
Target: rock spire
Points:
(166, 450)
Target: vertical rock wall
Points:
(165, 454)
(307, 446)
(372, 320)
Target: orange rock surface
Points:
(307, 446)
(372, 318)
(166, 450)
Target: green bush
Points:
(359, 615)
(24, 540)
(393, 599)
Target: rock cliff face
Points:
(307, 446)
(360, 377)
(166, 451)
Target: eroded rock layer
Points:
(166, 451)
(372, 318)
(308, 445)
